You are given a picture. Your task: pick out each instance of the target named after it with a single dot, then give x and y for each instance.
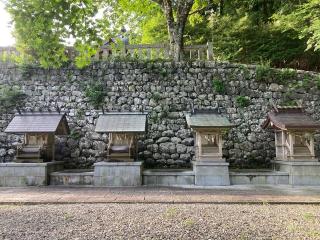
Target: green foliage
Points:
(288, 97)
(317, 81)
(11, 97)
(304, 20)
(80, 113)
(75, 134)
(286, 74)
(85, 53)
(306, 82)
(96, 92)
(218, 86)
(249, 35)
(156, 96)
(42, 28)
(263, 72)
(243, 101)
(285, 33)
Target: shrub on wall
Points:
(243, 101)
(318, 82)
(218, 86)
(11, 97)
(263, 72)
(96, 92)
(286, 75)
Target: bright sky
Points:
(6, 38)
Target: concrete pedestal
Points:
(300, 172)
(27, 174)
(118, 174)
(211, 173)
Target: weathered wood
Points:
(149, 51)
(209, 51)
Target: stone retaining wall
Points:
(166, 90)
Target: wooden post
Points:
(209, 51)
(283, 143)
(139, 53)
(312, 146)
(291, 142)
(105, 53)
(198, 136)
(220, 143)
(157, 52)
(148, 53)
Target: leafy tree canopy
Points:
(285, 33)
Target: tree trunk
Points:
(176, 25)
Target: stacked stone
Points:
(166, 90)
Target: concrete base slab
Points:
(157, 177)
(258, 177)
(210, 173)
(300, 172)
(118, 174)
(75, 177)
(27, 174)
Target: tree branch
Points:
(210, 6)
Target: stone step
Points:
(28, 160)
(28, 155)
(72, 177)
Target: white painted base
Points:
(118, 174)
(300, 172)
(27, 174)
(211, 173)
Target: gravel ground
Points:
(159, 221)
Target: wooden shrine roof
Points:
(39, 122)
(207, 119)
(122, 122)
(285, 118)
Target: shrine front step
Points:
(73, 177)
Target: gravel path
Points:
(159, 221)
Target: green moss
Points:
(156, 96)
(80, 113)
(75, 134)
(218, 86)
(317, 82)
(245, 71)
(287, 99)
(306, 82)
(243, 101)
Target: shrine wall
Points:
(242, 93)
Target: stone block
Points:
(168, 178)
(210, 173)
(258, 178)
(301, 172)
(118, 174)
(26, 174)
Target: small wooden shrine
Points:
(209, 127)
(123, 128)
(39, 129)
(294, 133)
